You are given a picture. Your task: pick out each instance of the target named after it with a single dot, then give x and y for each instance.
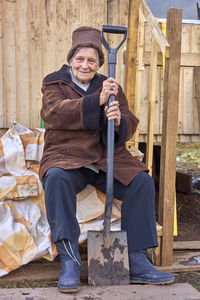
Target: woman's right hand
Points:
(110, 87)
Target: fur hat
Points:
(86, 37)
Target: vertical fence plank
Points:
(22, 63)
(188, 101)
(61, 31)
(100, 19)
(47, 33)
(35, 61)
(123, 15)
(2, 105)
(9, 66)
(197, 91)
(117, 10)
(87, 12)
(100, 13)
(74, 15)
(181, 99)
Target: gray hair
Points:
(97, 54)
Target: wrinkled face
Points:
(85, 64)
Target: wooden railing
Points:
(138, 11)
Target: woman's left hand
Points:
(113, 113)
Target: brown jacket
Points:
(76, 127)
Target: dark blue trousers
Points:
(137, 210)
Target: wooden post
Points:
(139, 70)
(131, 56)
(151, 109)
(197, 89)
(169, 134)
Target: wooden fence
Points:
(36, 36)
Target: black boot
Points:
(70, 260)
(142, 271)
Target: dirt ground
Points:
(188, 217)
(188, 222)
(188, 205)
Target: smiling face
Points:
(85, 64)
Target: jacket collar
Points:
(64, 75)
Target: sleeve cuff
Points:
(92, 112)
(120, 135)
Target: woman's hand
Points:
(113, 113)
(110, 87)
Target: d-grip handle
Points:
(114, 29)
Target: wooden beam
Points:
(197, 89)
(139, 70)
(156, 31)
(151, 108)
(181, 262)
(187, 59)
(187, 245)
(169, 134)
(131, 56)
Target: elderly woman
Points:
(75, 113)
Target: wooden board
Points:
(2, 105)
(169, 131)
(138, 79)
(180, 260)
(185, 245)
(187, 59)
(197, 90)
(131, 53)
(35, 61)
(151, 108)
(22, 64)
(9, 61)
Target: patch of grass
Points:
(188, 157)
(188, 152)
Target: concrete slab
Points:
(179, 291)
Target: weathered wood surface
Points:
(138, 79)
(169, 134)
(188, 125)
(151, 106)
(187, 245)
(197, 90)
(131, 57)
(155, 29)
(181, 262)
